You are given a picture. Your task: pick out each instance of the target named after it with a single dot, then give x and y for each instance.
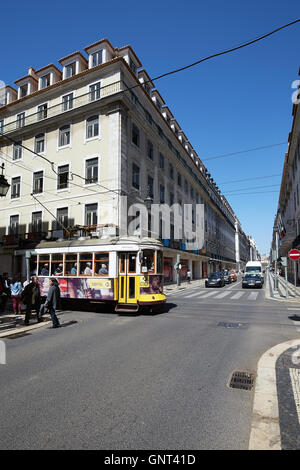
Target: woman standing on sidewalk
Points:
(16, 291)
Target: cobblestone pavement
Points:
(288, 391)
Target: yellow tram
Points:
(124, 271)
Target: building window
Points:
(14, 225)
(133, 66)
(179, 179)
(64, 136)
(91, 214)
(192, 193)
(161, 161)
(17, 151)
(36, 222)
(38, 182)
(135, 176)
(150, 151)
(70, 70)
(97, 58)
(151, 186)
(95, 91)
(92, 127)
(15, 187)
(135, 135)
(63, 177)
(20, 120)
(62, 217)
(45, 80)
(91, 171)
(186, 187)
(171, 171)
(23, 91)
(39, 144)
(67, 102)
(162, 194)
(42, 111)
(171, 199)
(1, 126)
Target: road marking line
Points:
(221, 296)
(208, 295)
(237, 296)
(253, 296)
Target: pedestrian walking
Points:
(6, 293)
(52, 302)
(16, 291)
(31, 297)
(189, 276)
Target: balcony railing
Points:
(60, 108)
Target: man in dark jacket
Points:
(31, 297)
(53, 301)
(5, 291)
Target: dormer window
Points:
(132, 66)
(97, 58)
(70, 70)
(23, 91)
(45, 80)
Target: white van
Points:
(254, 267)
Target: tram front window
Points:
(148, 261)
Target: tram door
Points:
(127, 278)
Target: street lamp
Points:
(148, 203)
(4, 185)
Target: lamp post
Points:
(276, 230)
(4, 185)
(148, 203)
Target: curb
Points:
(270, 295)
(24, 329)
(265, 429)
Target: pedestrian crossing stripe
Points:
(218, 295)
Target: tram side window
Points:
(148, 261)
(101, 264)
(86, 264)
(71, 264)
(44, 265)
(122, 258)
(33, 266)
(57, 264)
(159, 268)
(132, 262)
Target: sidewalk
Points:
(293, 294)
(11, 324)
(276, 405)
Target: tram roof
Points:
(99, 242)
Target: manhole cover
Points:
(241, 380)
(230, 325)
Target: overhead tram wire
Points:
(243, 151)
(251, 188)
(251, 179)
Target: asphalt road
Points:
(141, 382)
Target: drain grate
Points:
(230, 324)
(241, 380)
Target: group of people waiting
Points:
(29, 294)
(87, 271)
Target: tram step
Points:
(126, 308)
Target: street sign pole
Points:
(284, 264)
(294, 255)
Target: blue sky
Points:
(232, 103)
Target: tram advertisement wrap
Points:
(81, 288)
(151, 284)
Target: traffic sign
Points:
(294, 255)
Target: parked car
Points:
(215, 280)
(252, 280)
(227, 278)
(233, 276)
